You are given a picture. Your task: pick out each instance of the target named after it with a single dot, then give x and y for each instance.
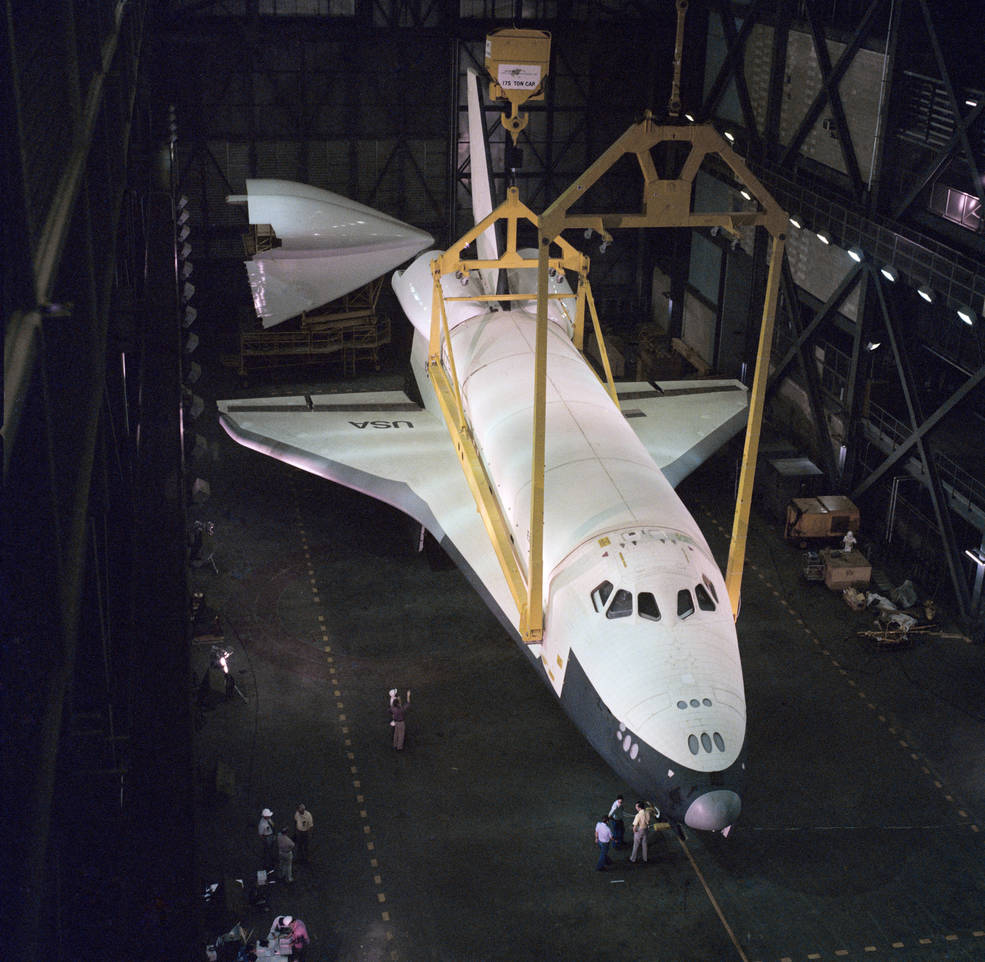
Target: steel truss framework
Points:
(71, 483)
(360, 105)
(884, 219)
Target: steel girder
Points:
(57, 318)
(939, 161)
(915, 413)
(808, 368)
(733, 67)
(962, 124)
(918, 259)
(830, 78)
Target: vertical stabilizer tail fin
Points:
(487, 244)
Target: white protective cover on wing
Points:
(330, 246)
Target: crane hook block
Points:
(517, 62)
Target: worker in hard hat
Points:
(268, 837)
(286, 926)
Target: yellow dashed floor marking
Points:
(915, 756)
(342, 720)
(892, 730)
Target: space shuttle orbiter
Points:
(639, 642)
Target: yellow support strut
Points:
(523, 571)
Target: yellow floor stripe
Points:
(711, 898)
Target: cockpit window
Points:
(710, 587)
(704, 599)
(622, 605)
(646, 606)
(600, 595)
(685, 604)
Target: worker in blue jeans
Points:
(618, 826)
(603, 836)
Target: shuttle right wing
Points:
(683, 423)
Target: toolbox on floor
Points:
(844, 568)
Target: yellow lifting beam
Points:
(666, 202)
(523, 575)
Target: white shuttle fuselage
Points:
(639, 642)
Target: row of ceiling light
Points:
(965, 313)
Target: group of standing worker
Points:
(610, 830)
(279, 848)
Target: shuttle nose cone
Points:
(713, 811)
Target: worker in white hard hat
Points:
(286, 926)
(268, 836)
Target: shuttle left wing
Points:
(683, 423)
(381, 444)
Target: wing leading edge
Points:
(683, 423)
(383, 445)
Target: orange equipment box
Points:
(827, 516)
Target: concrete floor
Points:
(860, 835)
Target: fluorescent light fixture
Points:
(182, 202)
(188, 291)
(855, 253)
(890, 273)
(186, 249)
(873, 346)
(190, 315)
(971, 103)
(184, 232)
(966, 314)
(797, 221)
(976, 555)
(183, 218)
(191, 342)
(745, 193)
(824, 237)
(926, 293)
(689, 118)
(729, 136)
